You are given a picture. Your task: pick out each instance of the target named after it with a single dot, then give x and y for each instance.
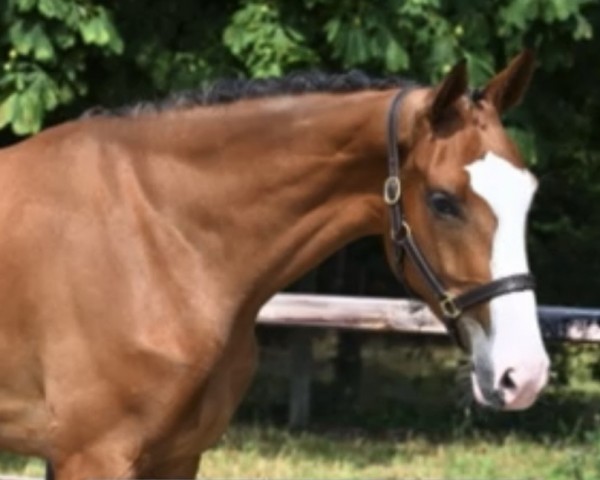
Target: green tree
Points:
(44, 47)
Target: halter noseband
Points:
(451, 306)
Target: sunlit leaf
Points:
(25, 5)
(7, 110)
(54, 8)
(396, 58)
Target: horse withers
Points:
(137, 248)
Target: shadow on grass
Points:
(562, 414)
(567, 422)
(405, 390)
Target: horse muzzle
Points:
(514, 386)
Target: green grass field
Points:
(271, 453)
(259, 452)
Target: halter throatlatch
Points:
(451, 306)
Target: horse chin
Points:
(484, 398)
(496, 400)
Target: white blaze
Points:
(515, 341)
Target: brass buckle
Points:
(449, 308)
(400, 235)
(392, 189)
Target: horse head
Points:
(458, 222)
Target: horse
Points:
(138, 245)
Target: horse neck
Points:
(269, 188)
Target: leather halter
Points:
(451, 306)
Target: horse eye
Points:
(444, 204)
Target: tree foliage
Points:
(44, 49)
(60, 57)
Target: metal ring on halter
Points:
(392, 190)
(449, 308)
(400, 235)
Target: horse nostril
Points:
(506, 381)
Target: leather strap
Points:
(493, 289)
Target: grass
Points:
(16, 465)
(273, 453)
(268, 452)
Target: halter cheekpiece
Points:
(451, 306)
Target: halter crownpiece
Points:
(451, 306)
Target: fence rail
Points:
(303, 313)
(407, 316)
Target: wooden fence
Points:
(304, 313)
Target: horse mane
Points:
(226, 91)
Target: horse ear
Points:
(507, 88)
(451, 89)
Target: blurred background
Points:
(382, 405)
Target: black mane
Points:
(231, 90)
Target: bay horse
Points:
(137, 249)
